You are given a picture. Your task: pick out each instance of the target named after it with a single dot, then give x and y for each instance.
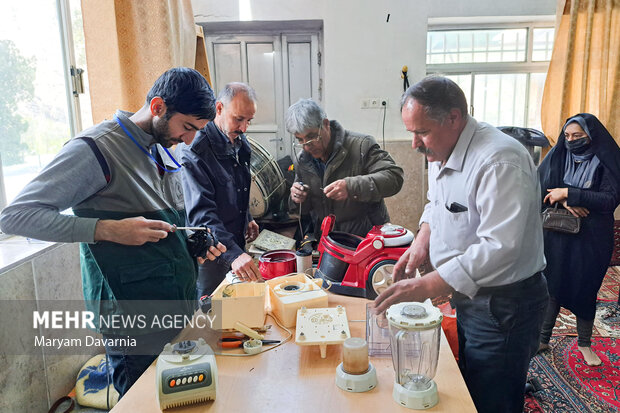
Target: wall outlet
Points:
(374, 103)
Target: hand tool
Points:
(233, 342)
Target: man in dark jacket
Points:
(216, 186)
(343, 173)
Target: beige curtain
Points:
(584, 73)
(129, 43)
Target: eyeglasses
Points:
(311, 142)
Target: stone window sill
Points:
(15, 250)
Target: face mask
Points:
(578, 146)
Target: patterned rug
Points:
(607, 320)
(611, 285)
(567, 384)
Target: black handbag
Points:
(560, 220)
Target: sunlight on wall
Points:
(245, 10)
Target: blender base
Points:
(356, 383)
(417, 400)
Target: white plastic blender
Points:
(414, 336)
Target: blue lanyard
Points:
(147, 152)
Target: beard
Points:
(161, 133)
(233, 134)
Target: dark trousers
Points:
(584, 327)
(498, 334)
(129, 362)
(210, 275)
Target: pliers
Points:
(234, 341)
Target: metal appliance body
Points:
(277, 263)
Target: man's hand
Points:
(337, 190)
(413, 289)
(245, 269)
(299, 192)
(213, 253)
(132, 231)
(414, 257)
(556, 195)
(251, 231)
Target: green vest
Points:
(151, 280)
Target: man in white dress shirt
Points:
(482, 231)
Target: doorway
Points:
(281, 65)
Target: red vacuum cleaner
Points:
(357, 266)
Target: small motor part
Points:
(252, 346)
(199, 242)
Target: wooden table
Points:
(295, 378)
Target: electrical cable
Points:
(383, 130)
(107, 375)
(301, 230)
(324, 279)
(287, 339)
(405, 78)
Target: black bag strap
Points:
(102, 162)
(60, 401)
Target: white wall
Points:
(363, 56)
(362, 53)
(468, 8)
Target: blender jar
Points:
(415, 337)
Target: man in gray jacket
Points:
(339, 172)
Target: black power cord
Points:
(384, 106)
(107, 375)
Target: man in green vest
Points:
(120, 181)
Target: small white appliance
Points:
(186, 374)
(355, 374)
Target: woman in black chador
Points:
(582, 173)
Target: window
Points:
(42, 85)
(501, 70)
(479, 46)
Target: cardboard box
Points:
(243, 302)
